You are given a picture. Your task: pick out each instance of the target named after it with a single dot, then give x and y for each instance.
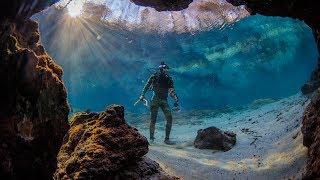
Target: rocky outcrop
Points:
(311, 137)
(312, 85)
(164, 5)
(214, 138)
(22, 9)
(33, 106)
(103, 146)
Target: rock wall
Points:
(164, 5)
(311, 136)
(22, 9)
(33, 106)
(103, 146)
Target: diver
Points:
(161, 84)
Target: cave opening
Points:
(253, 59)
(244, 77)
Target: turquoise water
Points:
(258, 57)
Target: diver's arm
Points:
(174, 96)
(172, 92)
(146, 87)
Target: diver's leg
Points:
(154, 113)
(167, 113)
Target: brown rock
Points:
(311, 137)
(103, 146)
(215, 139)
(22, 9)
(310, 87)
(164, 5)
(144, 169)
(33, 107)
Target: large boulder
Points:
(311, 137)
(103, 146)
(33, 104)
(33, 100)
(214, 138)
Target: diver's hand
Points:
(176, 107)
(141, 98)
(176, 104)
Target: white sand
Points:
(271, 148)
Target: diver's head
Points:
(163, 68)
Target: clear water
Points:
(256, 58)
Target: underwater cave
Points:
(243, 89)
(238, 76)
(255, 59)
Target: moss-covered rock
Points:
(103, 146)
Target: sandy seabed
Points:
(269, 143)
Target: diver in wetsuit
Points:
(161, 84)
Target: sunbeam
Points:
(75, 8)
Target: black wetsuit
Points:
(162, 85)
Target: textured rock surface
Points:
(214, 138)
(22, 9)
(33, 106)
(164, 5)
(311, 136)
(102, 145)
(144, 169)
(310, 86)
(34, 109)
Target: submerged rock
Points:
(311, 137)
(214, 138)
(310, 87)
(144, 169)
(33, 102)
(101, 146)
(164, 5)
(22, 9)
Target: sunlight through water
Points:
(75, 8)
(211, 69)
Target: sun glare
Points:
(75, 8)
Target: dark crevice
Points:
(164, 5)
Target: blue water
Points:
(257, 57)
